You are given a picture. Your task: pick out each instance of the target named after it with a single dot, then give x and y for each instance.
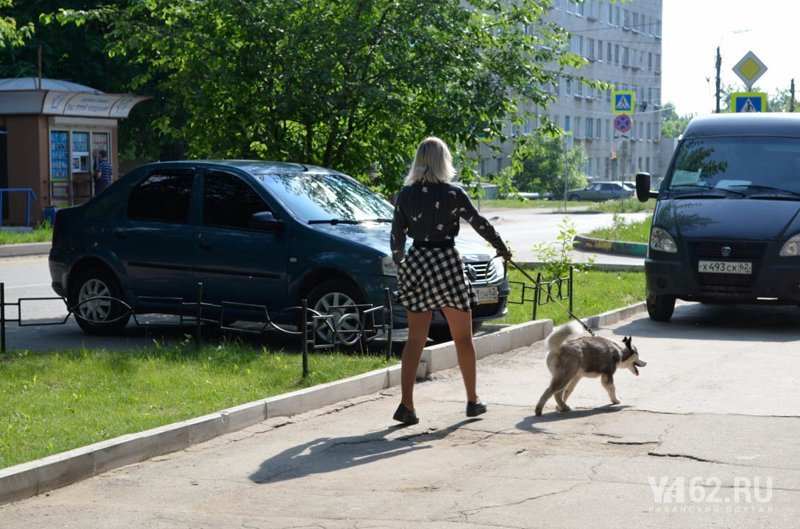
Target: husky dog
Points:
(573, 354)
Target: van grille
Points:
(739, 250)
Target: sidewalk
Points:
(39, 477)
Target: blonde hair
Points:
(433, 163)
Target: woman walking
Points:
(431, 275)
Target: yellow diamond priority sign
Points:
(749, 69)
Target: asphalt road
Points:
(705, 437)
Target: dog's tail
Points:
(568, 331)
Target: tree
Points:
(12, 35)
(349, 84)
(537, 164)
(673, 125)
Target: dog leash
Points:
(532, 280)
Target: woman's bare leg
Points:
(418, 324)
(460, 323)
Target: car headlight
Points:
(498, 263)
(662, 241)
(791, 248)
(388, 267)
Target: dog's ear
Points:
(627, 341)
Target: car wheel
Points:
(660, 308)
(574, 197)
(337, 298)
(95, 300)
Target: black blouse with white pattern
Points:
(431, 212)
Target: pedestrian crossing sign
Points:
(748, 102)
(623, 101)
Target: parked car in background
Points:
(258, 235)
(599, 191)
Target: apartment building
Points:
(622, 44)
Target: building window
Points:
(527, 128)
(597, 127)
(567, 124)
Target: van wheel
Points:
(574, 198)
(338, 298)
(660, 308)
(95, 299)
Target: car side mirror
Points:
(643, 192)
(265, 221)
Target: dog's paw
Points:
(615, 401)
(538, 412)
(564, 408)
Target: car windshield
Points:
(746, 166)
(327, 197)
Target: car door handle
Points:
(203, 245)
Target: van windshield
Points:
(736, 167)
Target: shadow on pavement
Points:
(330, 454)
(528, 424)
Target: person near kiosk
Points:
(103, 172)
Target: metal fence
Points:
(543, 292)
(348, 326)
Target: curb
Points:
(21, 250)
(635, 249)
(36, 477)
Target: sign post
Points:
(567, 150)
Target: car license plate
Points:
(725, 267)
(485, 295)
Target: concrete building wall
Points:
(622, 42)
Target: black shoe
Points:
(405, 416)
(475, 408)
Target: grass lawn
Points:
(60, 400)
(41, 233)
(620, 230)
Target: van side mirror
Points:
(643, 192)
(265, 221)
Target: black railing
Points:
(347, 326)
(543, 292)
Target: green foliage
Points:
(557, 255)
(351, 85)
(629, 205)
(594, 292)
(11, 33)
(672, 125)
(537, 164)
(622, 230)
(41, 233)
(60, 400)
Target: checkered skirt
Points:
(432, 278)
